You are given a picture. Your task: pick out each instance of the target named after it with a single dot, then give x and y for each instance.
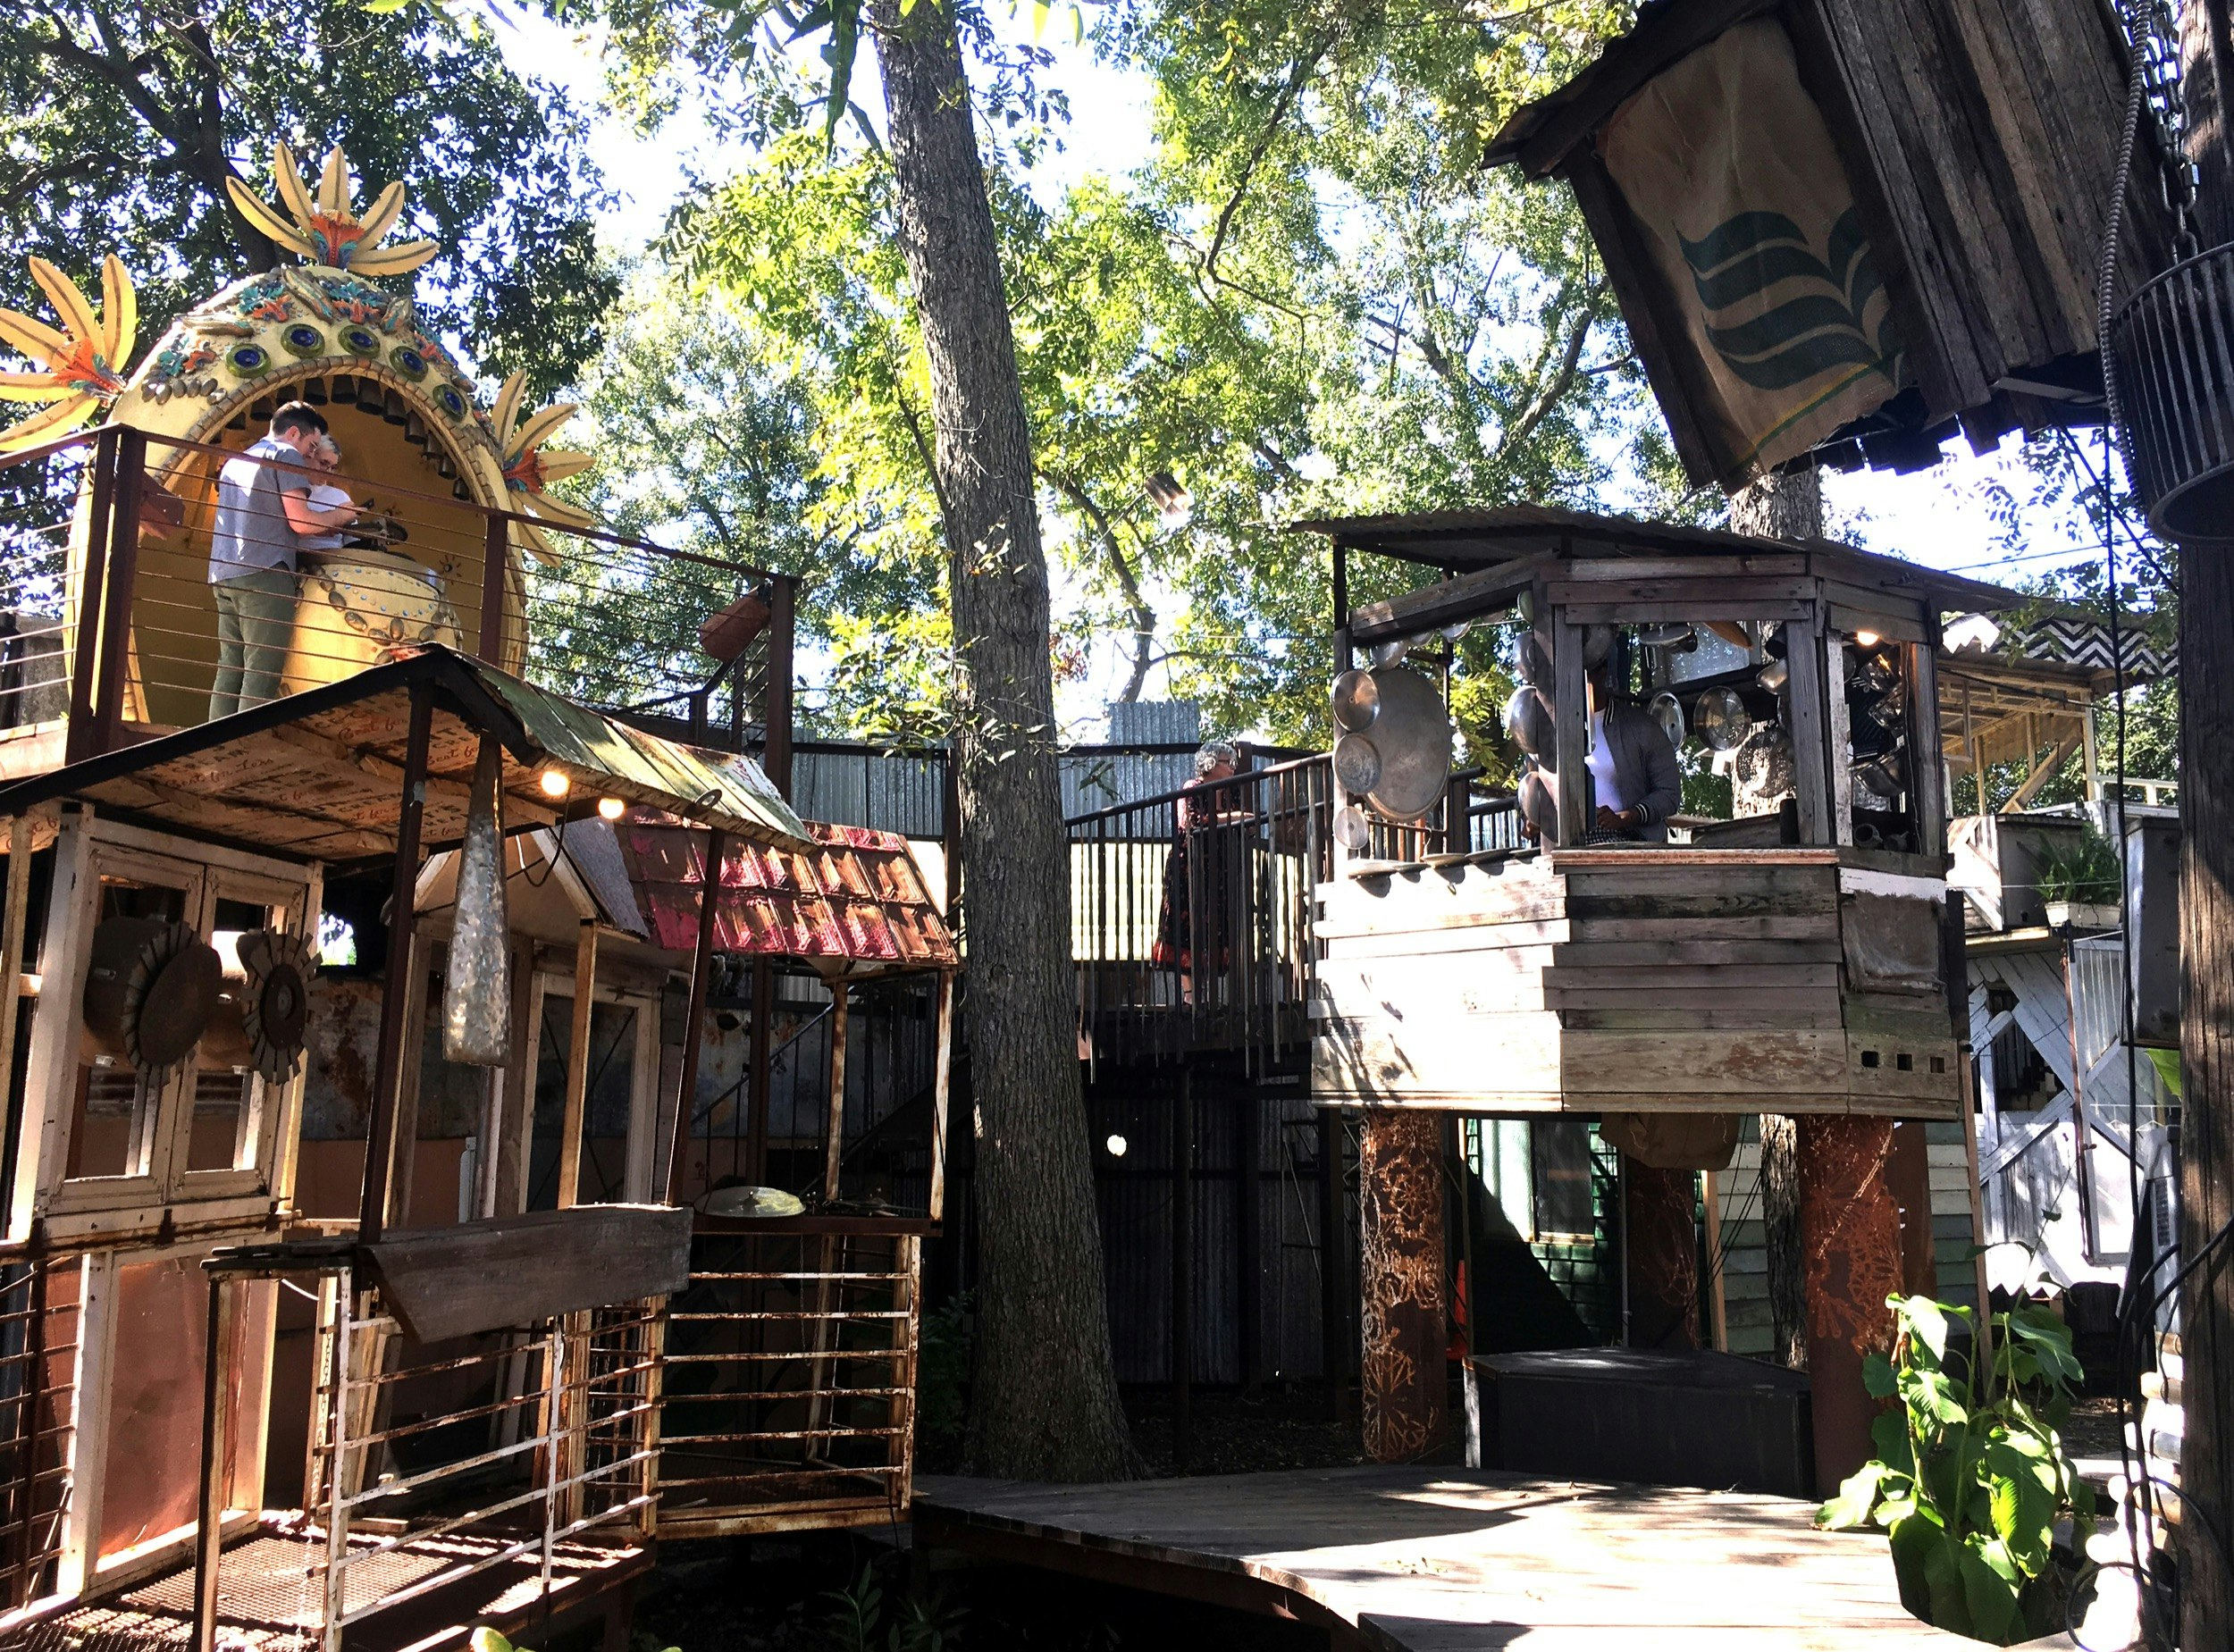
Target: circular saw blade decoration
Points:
(150, 990)
(274, 999)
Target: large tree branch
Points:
(1128, 578)
(1299, 77)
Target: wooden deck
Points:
(1454, 1560)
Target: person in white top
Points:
(326, 458)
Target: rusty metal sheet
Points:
(856, 897)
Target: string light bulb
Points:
(610, 809)
(554, 783)
(1866, 639)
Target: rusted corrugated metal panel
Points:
(856, 896)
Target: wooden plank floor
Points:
(1455, 1560)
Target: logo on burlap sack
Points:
(1818, 315)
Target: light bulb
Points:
(610, 809)
(554, 783)
(1116, 1145)
(1866, 639)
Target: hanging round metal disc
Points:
(1413, 735)
(1357, 701)
(1357, 763)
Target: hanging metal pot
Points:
(476, 990)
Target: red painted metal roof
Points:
(856, 897)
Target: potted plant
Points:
(1970, 1475)
(2079, 882)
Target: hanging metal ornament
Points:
(1528, 721)
(477, 994)
(150, 988)
(263, 1017)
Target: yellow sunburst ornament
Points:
(327, 228)
(529, 467)
(84, 362)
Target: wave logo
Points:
(1817, 322)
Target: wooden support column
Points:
(578, 1100)
(1334, 1344)
(761, 1055)
(380, 1139)
(1248, 1217)
(12, 923)
(1400, 1277)
(1662, 1256)
(694, 1017)
(1182, 1268)
(1849, 1238)
(941, 1095)
(1907, 1173)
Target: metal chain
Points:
(2153, 36)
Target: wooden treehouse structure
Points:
(1799, 955)
(424, 1175)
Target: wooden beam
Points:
(578, 1067)
(379, 1145)
(942, 1090)
(834, 1137)
(1810, 739)
(694, 1017)
(1432, 606)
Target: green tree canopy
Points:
(124, 118)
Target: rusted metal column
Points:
(1400, 1276)
(1849, 1242)
(1663, 1256)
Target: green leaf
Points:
(487, 1639)
(1925, 1322)
(1990, 1585)
(1857, 1496)
(1876, 1376)
(1040, 8)
(1889, 1432)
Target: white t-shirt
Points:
(1601, 759)
(323, 497)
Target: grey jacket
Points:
(1645, 765)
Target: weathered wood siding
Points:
(1631, 980)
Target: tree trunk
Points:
(2206, 1038)
(1782, 505)
(2206, 943)
(1044, 1400)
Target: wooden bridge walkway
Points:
(1456, 1560)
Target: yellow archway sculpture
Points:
(419, 450)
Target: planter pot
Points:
(2083, 915)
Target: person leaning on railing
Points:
(263, 504)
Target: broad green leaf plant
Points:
(1970, 1475)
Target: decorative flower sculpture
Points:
(84, 361)
(528, 467)
(327, 230)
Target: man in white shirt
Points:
(263, 505)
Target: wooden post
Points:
(123, 584)
(1334, 1342)
(941, 1092)
(575, 1119)
(210, 1508)
(1907, 1173)
(1249, 1219)
(78, 741)
(1661, 1256)
(1717, 1294)
(833, 1139)
(776, 750)
(2206, 1050)
(1810, 736)
(12, 924)
(495, 553)
(1571, 718)
(694, 1017)
(379, 1140)
(1182, 1268)
(1850, 1234)
(762, 1070)
(1400, 1268)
